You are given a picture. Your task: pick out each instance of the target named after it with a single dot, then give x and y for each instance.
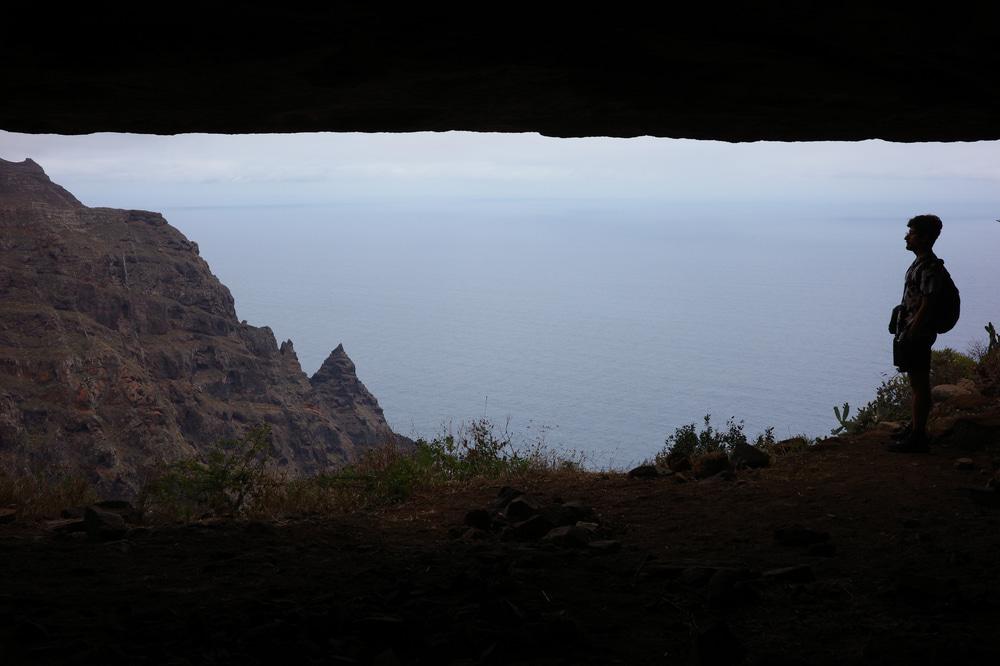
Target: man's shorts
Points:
(912, 355)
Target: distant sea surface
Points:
(596, 327)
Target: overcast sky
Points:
(156, 172)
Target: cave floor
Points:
(909, 575)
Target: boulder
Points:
(569, 535)
(801, 573)
(605, 546)
(569, 513)
(745, 455)
(791, 444)
(710, 464)
(969, 432)
(532, 529)
(643, 472)
(521, 508)
(505, 496)
(943, 392)
(103, 525)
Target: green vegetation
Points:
(233, 479)
(230, 479)
(994, 343)
(891, 403)
(949, 366)
(43, 493)
(479, 450)
(893, 396)
(687, 441)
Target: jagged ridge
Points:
(120, 350)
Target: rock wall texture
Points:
(120, 350)
(731, 71)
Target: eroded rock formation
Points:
(119, 350)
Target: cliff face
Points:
(119, 350)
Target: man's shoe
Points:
(911, 444)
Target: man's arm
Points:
(921, 326)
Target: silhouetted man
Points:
(913, 325)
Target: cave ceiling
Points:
(767, 71)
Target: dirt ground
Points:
(908, 575)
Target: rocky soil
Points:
(120, 350)
(844, 554)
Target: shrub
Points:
(987, 357)
(229, 479)
(232, 479)
(949, 366)
(988, 372)
(43, 493)
(687, 441)
(794, 444)
(891, 403)
(390, 474)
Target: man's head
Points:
(924, 230)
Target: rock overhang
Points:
(762, 71)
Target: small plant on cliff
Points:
(994, 343)
(479, 449)
(390, 474)
(229, 479)
(42, 491)
(891, 403)
(949, 366)
(687, 441)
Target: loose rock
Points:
(103, 525)
(745, 455)
(505, 496)
(943, 392)
(522, 508)
(797, 574)
(532, 529)
(605, 545)
(570, 536)
(643, 472)
(965, 464)
(710, 464)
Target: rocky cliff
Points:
(120, 350)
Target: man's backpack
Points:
(949, 304)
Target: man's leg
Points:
(917, 363)
(920, 384)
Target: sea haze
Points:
(597, 326)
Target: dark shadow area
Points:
(776, 71)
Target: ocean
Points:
(593, 326)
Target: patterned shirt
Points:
(923, 278)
